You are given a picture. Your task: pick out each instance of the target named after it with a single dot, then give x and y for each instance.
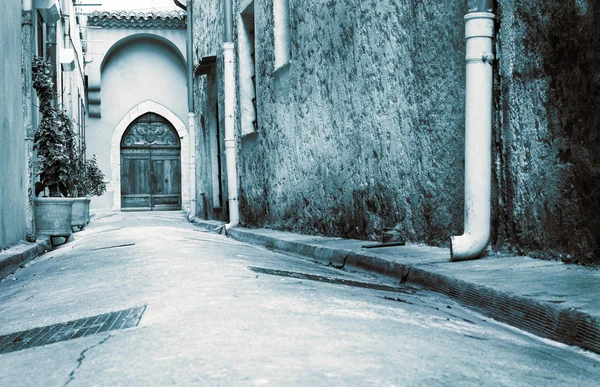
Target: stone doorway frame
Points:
(115, 149)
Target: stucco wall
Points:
(548, 143)
(13, 193)
(140, 70)
(208, 32)
(364, 129)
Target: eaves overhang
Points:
(138, 19)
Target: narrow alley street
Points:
(221, 312)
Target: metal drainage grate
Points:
(332, 280)
(70, 330)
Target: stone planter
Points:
(53, 216)
(87, 210)
(80, 213)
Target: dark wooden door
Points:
(165, 187)
(150, 166)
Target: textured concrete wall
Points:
(13, 190)
(208, 38)
(548, 143)
(364, 129)
(137, 71)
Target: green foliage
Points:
(54, 138)
(61, 165)
(92, 182)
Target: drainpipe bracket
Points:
(486, 57)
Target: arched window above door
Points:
(150, 129)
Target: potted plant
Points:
(52, 143)
(86, 179)
(80, 209)
(90, 182)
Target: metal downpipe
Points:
(191, 112)
(479, 32)
(230, 140)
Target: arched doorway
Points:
(150, 165)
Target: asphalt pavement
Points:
(204, 309)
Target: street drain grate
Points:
(70, 330)
(331, 280)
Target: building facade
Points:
(137, 125)
(53, 30)
(13, 185)
(350, 120)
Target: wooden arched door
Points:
(150, 165)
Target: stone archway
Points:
(115, 149)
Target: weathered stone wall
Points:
(13, 189)
(548, 120)
(364, 129)
(208, 41)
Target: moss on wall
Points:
(364, 129)
(548, 119)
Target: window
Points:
(40, 35)
(281, 33)
(247, 66)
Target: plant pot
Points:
(53, 216)
(87, 210)
(78, 213)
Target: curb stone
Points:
(570, 326)
(19, 254)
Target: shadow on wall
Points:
(553, 206)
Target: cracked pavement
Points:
(81, 358)
(213, 320)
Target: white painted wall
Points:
(137, 71)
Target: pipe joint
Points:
(486, 57)
(479, 25)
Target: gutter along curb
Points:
(512, 303)
(18, 255)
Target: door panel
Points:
(166, 180)
(150, 165)
(135, 179)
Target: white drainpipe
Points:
(191, 114)
(230, 145)
(479, 31)
(192, 165)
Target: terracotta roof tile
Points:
(138, 19)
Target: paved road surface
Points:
(211, 319)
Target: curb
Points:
(566, 325)
(18, 255)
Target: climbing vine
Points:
(54, 140)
